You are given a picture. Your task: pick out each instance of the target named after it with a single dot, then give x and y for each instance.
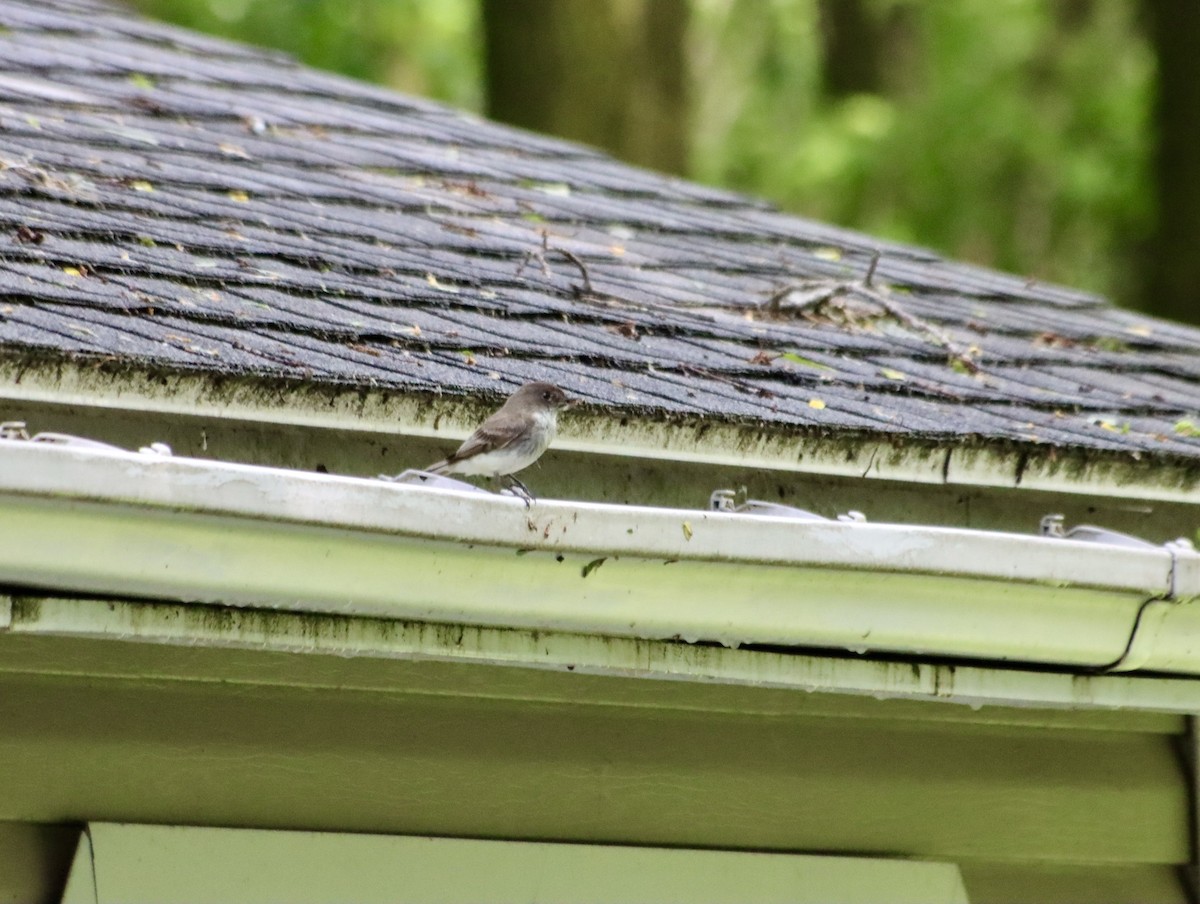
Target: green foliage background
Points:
(1014, 133)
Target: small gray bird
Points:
(511, 439)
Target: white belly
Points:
(513, 458)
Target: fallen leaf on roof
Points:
(26, 235)
(232, 150)
(628, 329)
(238, 195)
(828, 254)
(961, 367)
(1187, 428)
(141, 185)
(440, 286)
(816, 403)
(807, 362)
(557, 189)
(1139, 330)
(891, 374)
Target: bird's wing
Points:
(497, 432)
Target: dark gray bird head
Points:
(539, 396)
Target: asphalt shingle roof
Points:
(185, 203)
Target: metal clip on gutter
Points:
(15, 430)
(736, 501)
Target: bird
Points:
(511, 439)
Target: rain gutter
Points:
(626, 434)
(130, 525)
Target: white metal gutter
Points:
(703, 441)
(135, 525)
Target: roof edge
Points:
(101, 382)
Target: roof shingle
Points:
(187, 203)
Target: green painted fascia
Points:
(139, 640)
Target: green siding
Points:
(1032, 802)
(126, 864)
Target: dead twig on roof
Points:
(696, 371)
(872, 302)
(574, 259)
(570, 256)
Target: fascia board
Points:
(146, 526)
(123, 623)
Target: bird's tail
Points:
(439, 467)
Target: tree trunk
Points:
(1172, 260)
(851, 41)
(606, 72)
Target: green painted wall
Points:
(1032, 805)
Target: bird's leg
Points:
(519, 489)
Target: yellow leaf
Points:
(892, 374)
(441, 287)
(238, 195)
(828, 254)
(816, 403)
(1138, 330)
(72, 271)
(141, 185)
(687, 531)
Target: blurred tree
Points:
(852, 40)
(1010, 133)
(606, 72)
(416, 46)
(1172, 258)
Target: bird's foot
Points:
(519, 490)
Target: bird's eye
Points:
(546, 396)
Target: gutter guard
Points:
(95, 521)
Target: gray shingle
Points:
(186, 203)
